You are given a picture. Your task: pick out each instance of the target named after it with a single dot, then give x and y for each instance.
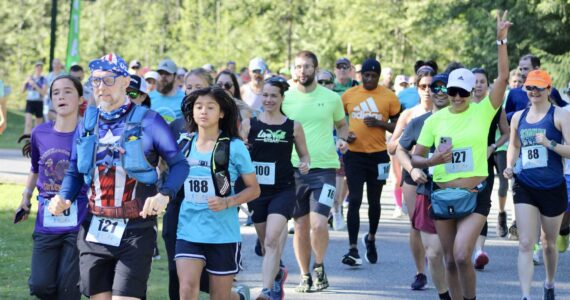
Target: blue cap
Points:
(110, 62)
(370, 65)
(441, 77)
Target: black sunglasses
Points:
(226, 85)
(325, 82)
(532, 88)
(453, 91)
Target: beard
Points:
(310, 79)
(164, 87)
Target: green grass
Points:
(16, 251)
(9, 140)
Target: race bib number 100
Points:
(265, 172)
(327, 195)
(106, 231)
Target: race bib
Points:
(107, 231)
(534, 157)
(461, 161)
(265, 172)
(197, 189)
(383, 171)
(327, 195)
(67, 219)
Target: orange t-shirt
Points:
(360, 103)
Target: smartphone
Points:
(20, 213)
(444, 144)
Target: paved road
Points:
(391, 277)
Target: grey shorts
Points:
(309, 189)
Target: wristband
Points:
(27, 192)
(502, 42)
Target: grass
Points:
(9, 140)
(16, 251)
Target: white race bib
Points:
(265, 172)
(67, 219)
(106, 231)
(534, 157)
(327, 195)
(383, 171)
(197, 189)
(461, 161)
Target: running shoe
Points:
(481, 260)
(242, 290)
(513, 232)
(277, 292)
(305, 285)
(548, 294)
(371, 255)
(264, 295)
(420, 282)
(398, 213)
(338, 222)
(536, 254)
(562, 242)
(345, 202)
(258, 250)
(352, 258)
(502, 229)
(321, 281)
(291, 226)
(249, 221)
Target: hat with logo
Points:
(538, 78)
(110, 62)
(167, 65)
(441, 77)
(257, 64)
(135, 64)
(400, 79)
(371, 65)
(342, 61)
(151, 74)
(461, 78)
(138, 84)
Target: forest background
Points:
(196, 32)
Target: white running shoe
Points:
(398, 213)
(291, 226)
(338, 221)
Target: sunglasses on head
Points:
(133, 94)
(437, 89)
(532, 88)
(453, 91)
(226, 85)
(325, 82)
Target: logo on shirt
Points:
(270, 136)
(528, 135)
(366, 108)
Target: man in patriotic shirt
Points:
(116, 241)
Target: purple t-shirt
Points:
(51, 151)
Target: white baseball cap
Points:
(461, 78)
(257, 64)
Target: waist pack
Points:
(219, 163)
(454, 203)
(133, 159)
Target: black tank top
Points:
(270, 148)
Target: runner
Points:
(271, 137)
(372, 110)
(137, 91)
(228, 81)
(343, 81)
(208, 235)
(539, 189)
(457, 129)
(55, 260)
(117, 151)
(251, 92)
(35, 88)
(419, 211)
(167, 98)
(409, 186)
(318, 110)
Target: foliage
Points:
(196, 32)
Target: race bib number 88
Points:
(534, 157)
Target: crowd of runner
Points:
(299, 144)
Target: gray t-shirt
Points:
(412, 132)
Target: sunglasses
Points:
(532, 88)
(133, 94)
(423, 87)
(453, 91)
(226, 85)
(437, 89)
(325, 82)
(343, 67)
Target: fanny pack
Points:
(454, 203)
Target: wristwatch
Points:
(502, 42)
(552, 145)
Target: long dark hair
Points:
(237, 93)
(227, 105)
(280, 83)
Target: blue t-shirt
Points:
(167, 106)
(197, 223)
(409, 97)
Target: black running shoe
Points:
(548, 294)
(502, 229)
(352, 258)
(371, 254)
(420, 282)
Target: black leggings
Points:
(362, 168)
(486, 194)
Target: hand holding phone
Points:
(444, 144)
(22, 214)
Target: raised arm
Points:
(498, 92)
